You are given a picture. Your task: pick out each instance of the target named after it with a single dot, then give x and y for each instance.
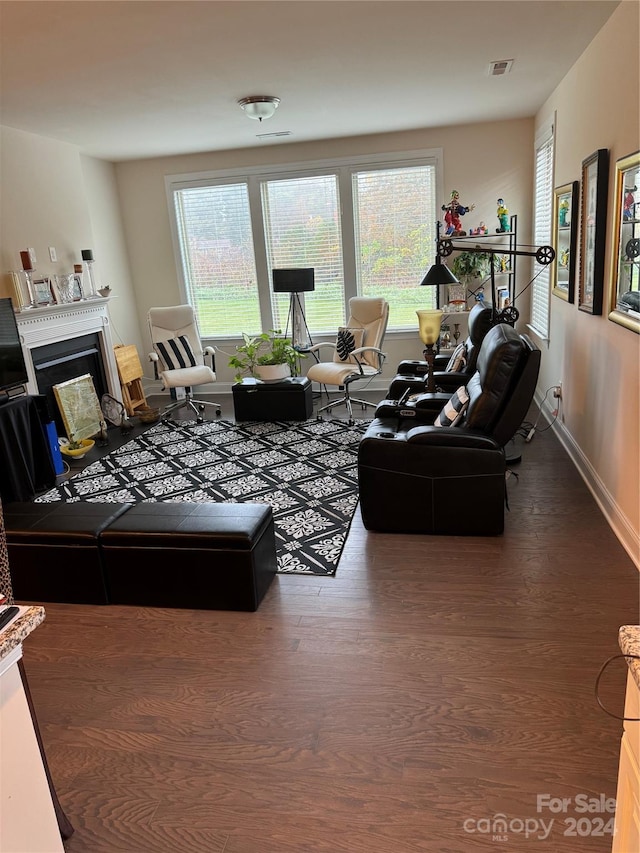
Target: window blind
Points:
(371, 219)
(302, 229)
(394, 212)
(216, 245)
(543, 203)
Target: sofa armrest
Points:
(450, 381)
(423, 408)
(410, 367)
(450, 437)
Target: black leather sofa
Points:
(415, 477)
(412, 374)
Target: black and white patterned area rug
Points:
(306, 471)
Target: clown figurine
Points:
(453, 211)
(503, 218)
(629, 204)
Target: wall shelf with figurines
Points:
(473, 269)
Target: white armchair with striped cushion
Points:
(356, 352)
(179, 358)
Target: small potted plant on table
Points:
(267, 356)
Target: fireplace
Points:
(63, 360)
(62, 342)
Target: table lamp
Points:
(429, 322)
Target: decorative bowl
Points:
(78, 452)
(148, 415)
(105, 291)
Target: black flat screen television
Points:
(13, 370)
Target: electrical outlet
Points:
(557, 391)
(53, 256)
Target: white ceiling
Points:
(128, 79)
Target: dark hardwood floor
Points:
(432, 684)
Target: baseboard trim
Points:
(617, 520)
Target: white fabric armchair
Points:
(178, 357)
(357, 353)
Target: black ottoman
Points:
(204, 556)
(53, 550)
(287, 400)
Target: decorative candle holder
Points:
(31, 290)
(87, 257)
(28, 270)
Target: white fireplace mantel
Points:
(52, 323)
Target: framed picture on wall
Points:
(593, 222)
(564, 240)
(624, 304)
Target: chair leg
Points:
(204, 403)
(197, 406)
(346, 400)
(363, 403)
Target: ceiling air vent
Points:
(273, 135)
(500, 67)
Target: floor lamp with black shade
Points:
(295, 282)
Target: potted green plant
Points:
(468, 265)
(268, 356)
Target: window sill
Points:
(538, 334)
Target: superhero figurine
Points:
(563, 212)
(453, 211)
(503, 218)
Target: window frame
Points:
(541, 285)
(343, 167)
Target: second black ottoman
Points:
(205, 556)
(53, 550)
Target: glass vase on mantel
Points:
(92, 289)
(28, 269)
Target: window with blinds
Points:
(543, 203)
(366, 228)
(394, 212)
(302, 229)
(218, 261)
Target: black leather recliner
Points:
(412, 375)
(418, 478)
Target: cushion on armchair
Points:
(454, 409)
(176, 353)
(458, 360)
(346, 342)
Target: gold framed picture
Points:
(624, 306)
(564, 240)
(79, 407)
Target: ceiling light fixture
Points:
(259, 106)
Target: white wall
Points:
(52, 196)
(597, 106)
